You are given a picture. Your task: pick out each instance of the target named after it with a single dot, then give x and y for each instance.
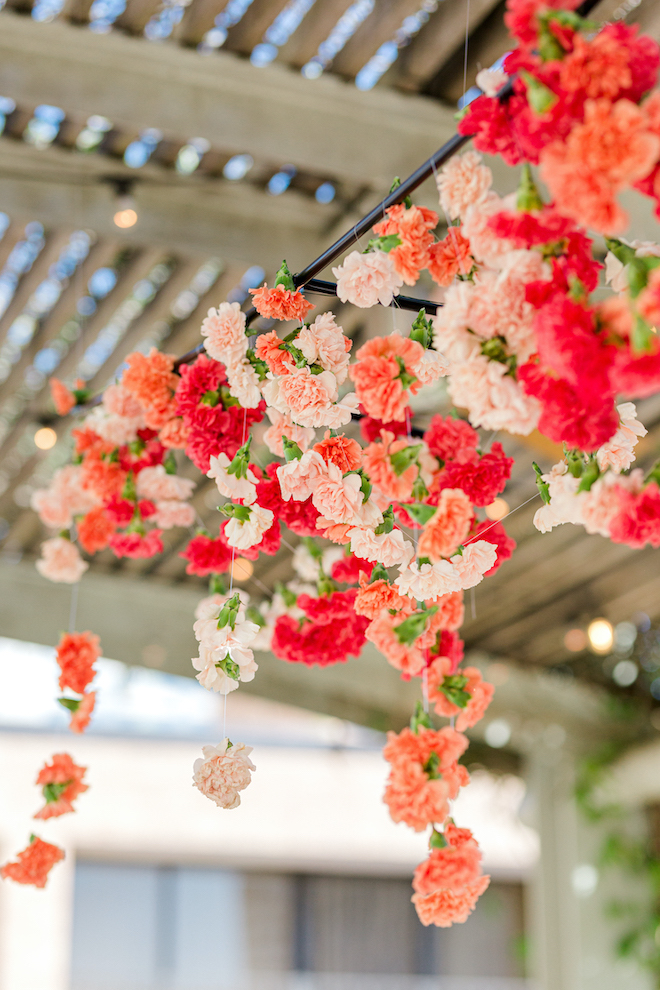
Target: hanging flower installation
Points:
(389, 526)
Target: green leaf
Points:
(129, 491)
(405, 377)
(420, 719)
(285, 278)
(229, 612)
(386, 243)
(254, 615)
(170, 463)
(292, 451)
(403, 459)
(379, 573)
(216, 585)
(289, 597)
(421, 513)
(437, 840)
(421, 330)
(71, 704)
(240, 512)
(53, 792)
(312, 548)
(395, 185)
(453, 688)
(539, 97)
(529, 197)
(544, 490)
(432, 767)
(590, 473)
(643, 334)
(623, 252)
(241, 460)
(412, 628)
(387, 524)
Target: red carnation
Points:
(638, 520)
(332, 633)
(137, 545)
(347, 570)
(207, 556)
(448, 438)
(482, 477)
(370, 428)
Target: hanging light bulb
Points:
(126, 215)
(601, 635)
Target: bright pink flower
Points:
(206, 555)
(449, 438)
(481, 477)
(137, 545)
(330, 633)
(350, 569)
(637, 521)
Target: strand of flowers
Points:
(522, 347)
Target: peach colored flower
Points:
(282, 426)
(450, 257)
(427, 582)
(244, 535)
(171, 513)
(102, 478)
(377, 464)
(451, 335)
(306, 398)
(612, 148)
(480, 691)
(463, 181)
(336, 532)
(599, 505)
(224, 330)
(492, 397)
(615, 315)
(280, 303)
(299, 477)
(366, 279)
(425, 775)
(323, 342)
(95, 529)
(409, 659)
(115, 430)
(450, 610)
(472, 564)
(648, 301)
(81, 717)
(118, 401)
(63, 499)
(431, 367)
(151, 380)
(372, 598)
(33, 864)
(340, 450)
(155, 483)
(377, 371)
(337, 498)
(455, 865)
(387, 549)
(618, 453)
(598, 67)
(230, 485)
(224, 771)
(268, 348)
(67, 777)
(446, 907)
(61, 561)
(175, 434)
(448, 526)
(63, 398)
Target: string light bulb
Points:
(601, 635)
(497, 509)
(45, 438)
(126, 216)
(242, 569)
(575, 640)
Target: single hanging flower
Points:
(33, 864)
(283, 301)
(61, 782)
(224, 771)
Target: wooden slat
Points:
(197, 20)
(314, 28)
(379, 26)
(250, 30)
(436, 43)
(137, 15)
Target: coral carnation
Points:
(33, 864)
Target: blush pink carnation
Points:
(367, 279)
(61, 561)
(224, 771)
(463, 181)
(224, 330)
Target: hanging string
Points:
(467, 39)
(73, 609)
(510, 513)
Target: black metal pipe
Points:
(399, 302)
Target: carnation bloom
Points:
(269, 348)
(378, 466)
(427, 582)
(283, 426)
(409, 658)
(377, 373)
(224, 330)
(63, 499)
(230, 485)
(477, 558)
(480, 691)
(299, 477)
(385, 548)
(618, 453)
(413, 226)
(492, 396)
(450, 257)
(62, 782)
(373, 597)
(481, 477)
(448, 526)
(366, 279)
(425, 775)
(454, 865)
(307, 398)
(95, 529)
(243, 534)
(340, 450)
(323, 342)
(463, 181)
(446, 907)
(61, 561)
(80, 718)
(171, 513)
(207, 556)
(156, 484)
(63, 398)
(33, 864)
(139, 546)
(224, 771)
(76, 655)
(218, 645)
(337, 497)
(450, 438)
(637, 519)
(151, 380)
(280, 303)
(329, 632)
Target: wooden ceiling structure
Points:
(201, 238)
